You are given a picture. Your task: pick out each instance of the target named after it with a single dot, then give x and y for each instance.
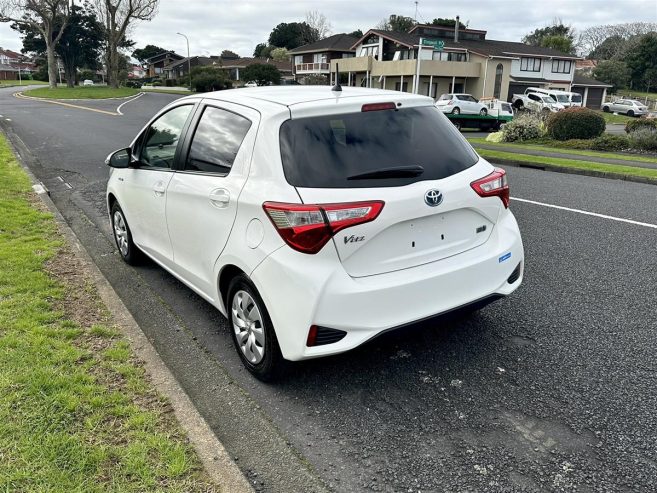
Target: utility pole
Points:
(189, 61)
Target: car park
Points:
(294, 213)
(465, 104)
(629, 107)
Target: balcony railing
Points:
(312, 67)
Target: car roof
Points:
(292, 95)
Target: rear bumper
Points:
(303, 290)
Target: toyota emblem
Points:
(433, 197)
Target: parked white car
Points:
(565, 98)
(251, 84)
(465, 104)
(536, 102)
(88, 82)
(296, 215)
(628, 107)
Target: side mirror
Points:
(120, 159)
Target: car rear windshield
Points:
(326, 151)
(577, 98)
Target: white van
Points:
(567, 99)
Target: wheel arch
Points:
(227, 274)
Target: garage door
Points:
(594, 99)
(516, 89)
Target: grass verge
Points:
(76, 410)
(166, 91)
(612, 118)
(90, 92)
(12, 83)
(563, 150)
(610, 169)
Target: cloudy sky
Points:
(238, 25)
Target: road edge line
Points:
(118, 109)
(213, 455)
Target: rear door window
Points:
(330, 151)
(217, 140)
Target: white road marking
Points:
(8, 119)
(595, 214)
(118, 110)
(68, 186)
(60, 179)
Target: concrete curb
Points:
(572, 171)
(215, 459)
(20, 94)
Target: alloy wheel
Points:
(248, 327)
(121, 233)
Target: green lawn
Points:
(89, 92)
(76, 411)
(12, 83)
(514, 147)
(611, 118)
(570, 163)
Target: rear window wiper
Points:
(394, 172)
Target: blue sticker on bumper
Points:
(504, 257)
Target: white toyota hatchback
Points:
(315, 220)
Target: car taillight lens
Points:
(493, 185)
(378, 107)
(308, 227)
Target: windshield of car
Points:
(324, 151)
(576, 98)
(548, 99)
(562, 98)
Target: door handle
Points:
(220, 198)
(159, 188)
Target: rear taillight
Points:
(450, 102)
(308, 227)
(493, 185)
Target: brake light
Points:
(493, 185)
(450, 102)
(378, 107)
(308, 227)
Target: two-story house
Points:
(463, 61)
(315, 58)
(155, 64)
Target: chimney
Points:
(456, 29)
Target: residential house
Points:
(11, 63)
(232, 65)
(155, 64)
(136, 72)
(315, 58)
(463, 61)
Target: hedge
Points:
(575, 123)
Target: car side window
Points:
(217, 139)
(161, 138)
(534, 97)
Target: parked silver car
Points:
(461, 103)
(628, 107)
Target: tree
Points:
(44, 16)
(117, 16)
(79, 46)
(262, 50)
(319, 22)
(229, 55)
(208, 78)
(397, 23)
(612, 41)
(447, 22)
(557, 36)
(292, 35)
(642, 62)
(262, 74)
(143, 54)
(357, 34)
(612, 72)
(280, 54)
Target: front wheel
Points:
(123, 237)
(252, 330)
(605, 109)
(456, 111)
(630, 113)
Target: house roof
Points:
(337, 42)
(580, 80)
(162, 56)
(487, 47)
(228, 63)
(10, 54)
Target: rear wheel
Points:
(605, 109)
(630, 113)
(123, 237)
(252, 330)
(456, 111)
(483, 112)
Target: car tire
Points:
(252, 331)
(630, 113)
(129, 252)
(483, 112)
(605, 109)
(518, 104)
(456, 111)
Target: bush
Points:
(644, 139)
(640, 123)
(495, 137)
(575, 123)
(205, 79)
(170, 82)
(608, 142)
(523, 127)
(156, 83)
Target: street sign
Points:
(437, 44)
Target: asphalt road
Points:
(551, 389)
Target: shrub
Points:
(640, 123)
(495, 137)
(575, 123)
(205, 79)
(608, 142)
(644, 139)
(523, 127)
(156, 83)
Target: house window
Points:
(497, 89)
(457, 57)
(319, 58)
(369, 50)
(530, 64)
(298, 59)
(561, 66)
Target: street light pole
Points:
(189, 60)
